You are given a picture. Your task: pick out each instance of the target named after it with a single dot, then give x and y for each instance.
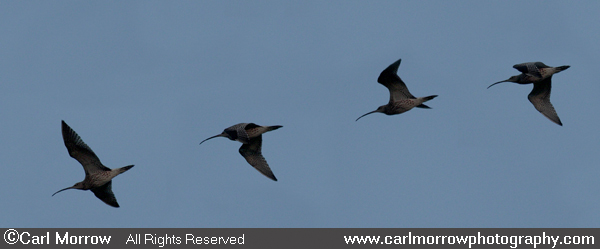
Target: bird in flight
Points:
(250, 135)
(540, 75)
(98, 178)
(401, 100)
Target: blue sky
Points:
(143, 82)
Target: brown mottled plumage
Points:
(540, 75)
(98, 178)
(250, 135)
(401, 100)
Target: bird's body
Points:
(401, 100)
(540, 75)
(403, 105)
(98, 178)
(250, 135)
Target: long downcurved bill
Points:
(365, 115)
(62, 190)
(220, 135)
(497, 83)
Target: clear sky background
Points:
(143, 82)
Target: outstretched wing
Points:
(390, 79)
(540, 98)
(253, 155)
(106, 194)
(81, 151)
(531, 68)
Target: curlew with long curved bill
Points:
(98, 178)
(540, 75)
(250, 135)
(401, 100)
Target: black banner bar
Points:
(301, 237)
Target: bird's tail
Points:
(428, 98)
(123, 169)
(425, 99)
(562, 68)
(273, 127)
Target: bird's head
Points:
(78, 185)
(379, 109)
(224, 134)
(515, 79)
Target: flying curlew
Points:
(541, 76)
(98, 178)
(250, 135)
(401, 100)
